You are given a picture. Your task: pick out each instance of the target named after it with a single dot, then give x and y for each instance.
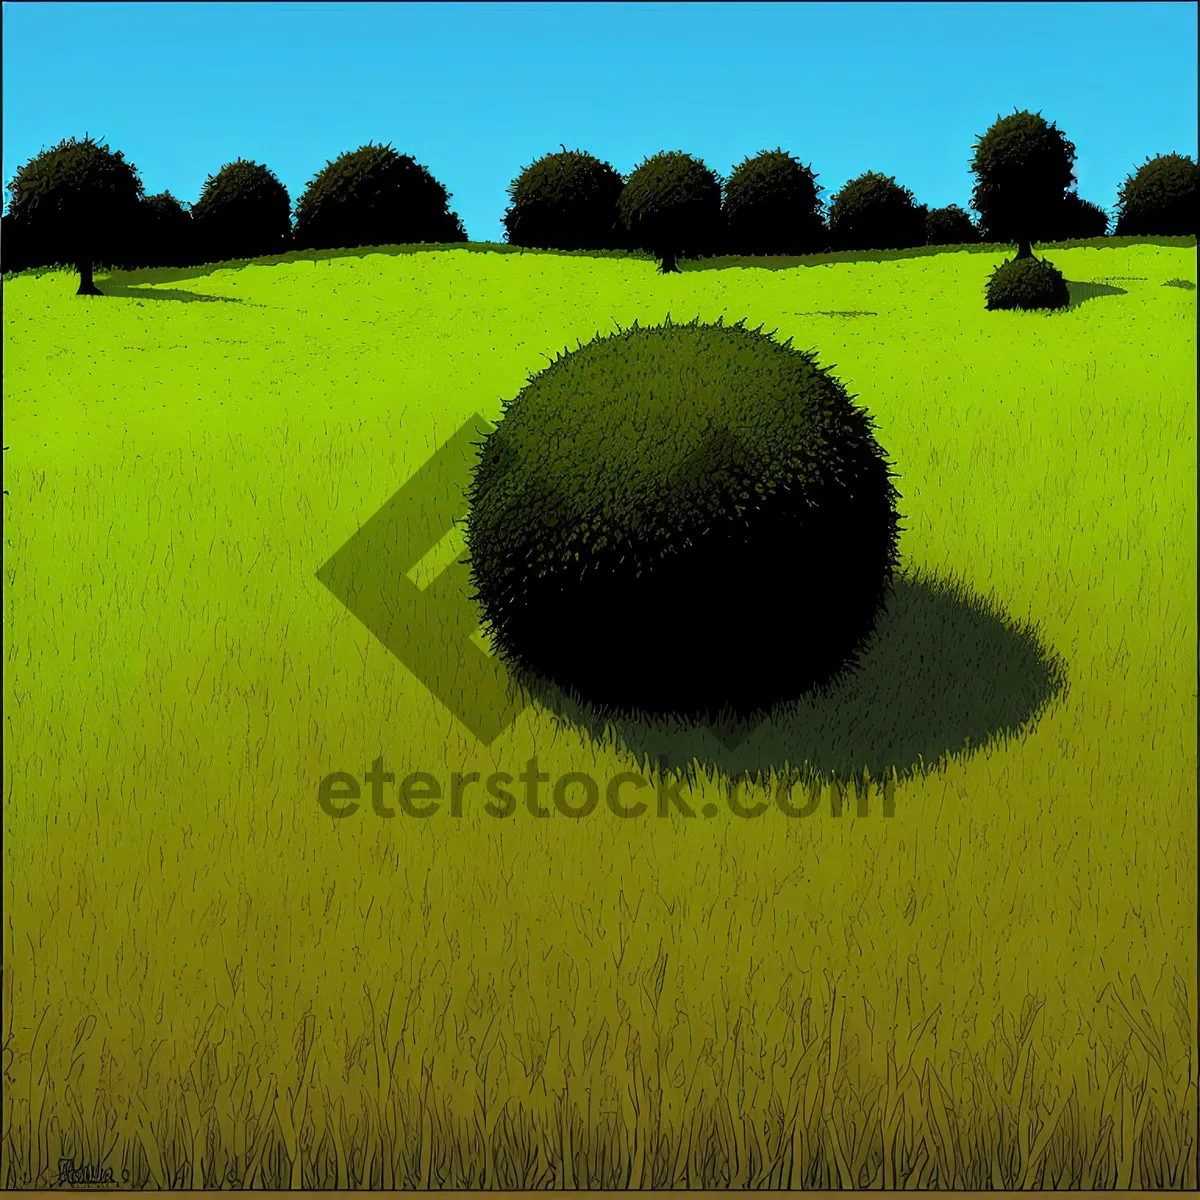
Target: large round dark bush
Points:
(159, 234)
(950, 226)
(772, 206)
(1023, 166)
(1027, 283)
(172, 235)
(1074, 219)
(690, 519)
(566, 201)
(671, 207)
(373, 196)
(873, 212)
(72, 205)
(1160, 200)
(243, 212)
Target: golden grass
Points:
(208, 981)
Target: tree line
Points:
(82, 205)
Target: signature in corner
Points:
(68, 1172)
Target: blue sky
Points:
(477, 91)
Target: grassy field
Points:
(974, 966)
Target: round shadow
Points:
(944, 674)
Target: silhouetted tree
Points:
(1160, 199)
(77, 202)
(671, 207)
(1023, 167)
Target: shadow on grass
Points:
(1082, 292)
(156, 275)
(130, 285)
(788, 262)
(945, 675)
(112, 286)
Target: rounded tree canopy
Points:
(1023, 167)
(772, 206)
(1160, 199)
(373, 196)
(949, 226)
(1075, 219)
(565, 201)
(243, 212)
(874, 212)
(77, 198)
(672, 202)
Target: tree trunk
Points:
(87, 286)
(1024, 248)
(668, 264)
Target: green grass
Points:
(768, 1001)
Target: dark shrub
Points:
(1075, 219)
(671, 207)
(873, 212)
(243, 212)
(1160, 200)
(950, 226)
(172, 235)
(566, 201)
(772, 206)
(158, 234)
(1022, 167)
(373, 196)
(638, 512)
(73, 204)
(1027, 283)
